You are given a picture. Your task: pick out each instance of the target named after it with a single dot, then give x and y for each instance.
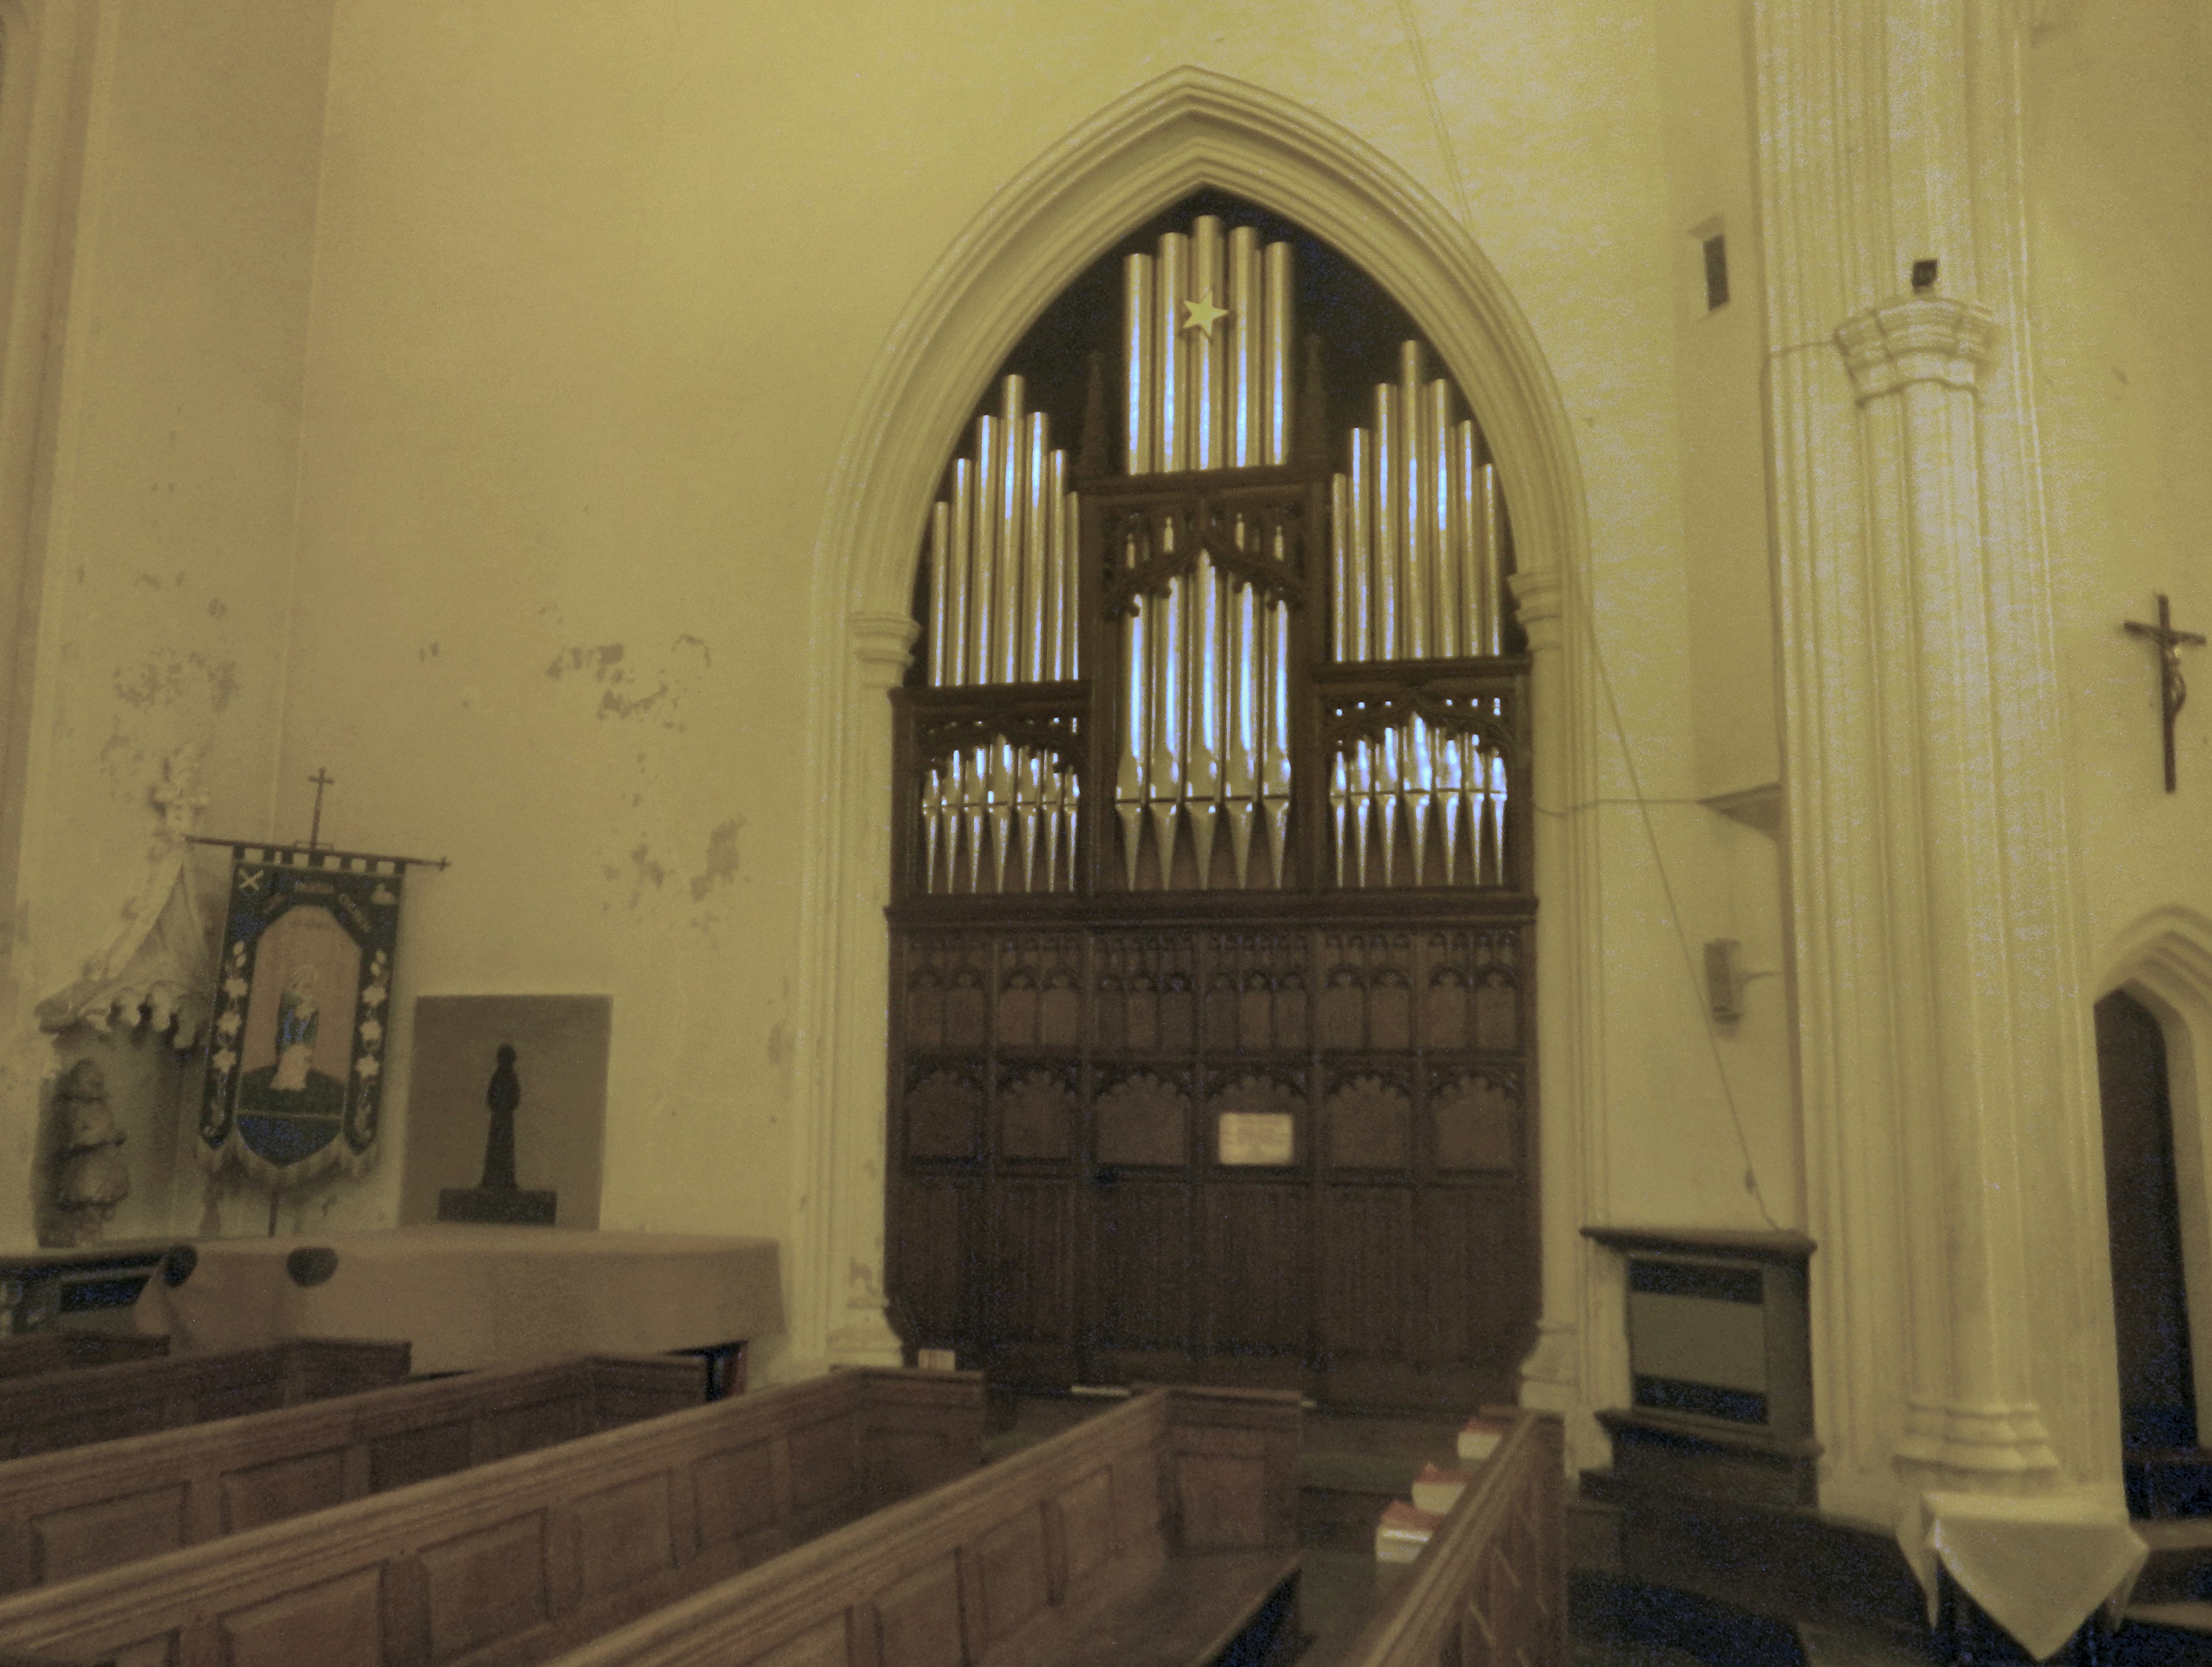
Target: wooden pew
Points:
(54, 1410)
(1157, 1534)
(71, 1514)
(513, 1561)
(1490, 1589)
(36, 1352)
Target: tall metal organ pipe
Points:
(1419, 577)
(1205, 741)
(1206, 334)
(1002, 600)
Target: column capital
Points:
(1539, 601)
(1916, 338)
(883, 645)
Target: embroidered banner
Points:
(295, 1057)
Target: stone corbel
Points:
(159, 970)
(1916, 338)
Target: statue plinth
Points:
(515, 1206)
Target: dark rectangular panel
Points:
(1033, 1262)
(1254, 1279)
(1141, 1259)
(1370, 1293)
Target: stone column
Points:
(1961, 1339)
(846, 1141)
(1571, 1364)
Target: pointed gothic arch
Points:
(2163, 960)
(1188, 129)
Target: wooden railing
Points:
(1490, 1589)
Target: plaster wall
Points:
(597, 292)
(161, 579)
(2119, 126)
(2120, 131)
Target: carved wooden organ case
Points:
(1211, 1027)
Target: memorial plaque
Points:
(1257, 1137)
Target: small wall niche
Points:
(1710, 237)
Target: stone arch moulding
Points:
(1185, 129)
(2165, 961)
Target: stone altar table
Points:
(468, 1297)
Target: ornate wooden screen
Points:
(1211, 1027)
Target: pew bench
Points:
(34, 1352)
(513, 1561)
(1490, 1588)
(1160, 1534)
(74, 1512)
(57, 1409)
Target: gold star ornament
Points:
(1202, 313)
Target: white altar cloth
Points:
(2038, 1566)
(470, 1296)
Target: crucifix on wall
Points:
(2171, 691)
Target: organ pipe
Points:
(1002, 601)
(1417, 577)
(1207, 654)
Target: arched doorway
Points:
(2150, 1303)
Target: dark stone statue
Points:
(497, 1197)
(502, 1096)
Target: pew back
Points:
(513, 1561)
(71, 1514)
(1175, 1513)
(55, 1410)
(35, 1352)
(1490, 1589)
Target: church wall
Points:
(597, 292)
(163, 553)
(2120, 131)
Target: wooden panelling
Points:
(1033, 1242)
(439, 1450)
(1056, 1554)
(98, 1508)
(1370, 1120)
(1491, 1590)
(1476, 1118)
(935, 1229)
(337, 1622)
(944, 1112)
(1141, 1252)
(1144, 1121)
(1069, 1218)
(1481, 1272)
(283, 1487)
(1254, 1236)
(1037, 1112)
(48, 1411)
(1010, 1562)
(489, 1583)
(77, 1540)
(517, 1560)
(918, 1616)
(733, 1493)
(1367, 1271)
(36, 1352)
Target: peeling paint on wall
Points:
(600, 660)
(721, 858)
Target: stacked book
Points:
(1407, 1526)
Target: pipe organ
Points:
(1195, 600)
(1210, 802)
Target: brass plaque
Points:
(1257, 1137)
